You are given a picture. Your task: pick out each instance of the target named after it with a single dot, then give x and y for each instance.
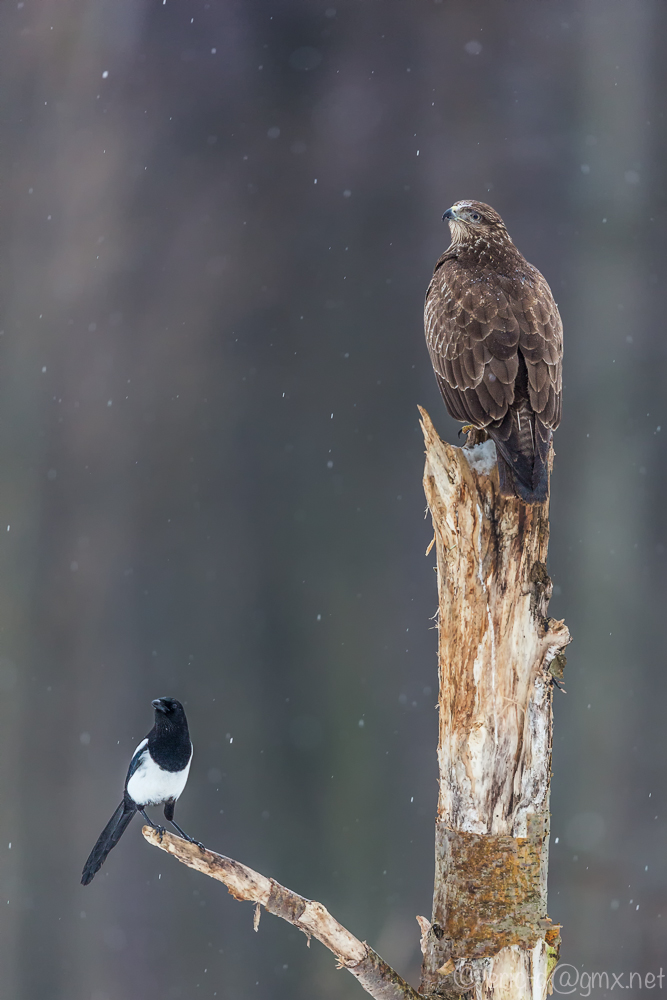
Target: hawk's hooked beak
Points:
(449, 215)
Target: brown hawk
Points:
(496, 342)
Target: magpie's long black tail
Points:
(108, 839)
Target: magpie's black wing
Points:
(137, 760)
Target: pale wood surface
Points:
(490, 929)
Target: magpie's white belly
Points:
(150, 784)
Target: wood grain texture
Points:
(490, 932)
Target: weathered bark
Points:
(311, 917)
(498, 655)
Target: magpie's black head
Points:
(168, 709)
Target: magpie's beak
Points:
(449, 215)
(158, 705)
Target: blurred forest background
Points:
(218, 222)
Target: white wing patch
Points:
(144, 743)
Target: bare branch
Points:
(309, 916)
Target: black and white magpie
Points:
(157, 773)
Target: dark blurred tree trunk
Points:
(498, 655)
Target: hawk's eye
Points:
(475, 217)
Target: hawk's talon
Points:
(476, 435)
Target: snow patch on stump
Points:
(482, 457)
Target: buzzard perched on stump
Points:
(496, 342)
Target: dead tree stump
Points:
(489, 934)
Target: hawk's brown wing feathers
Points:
(495, 340)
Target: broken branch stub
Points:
(490, 932)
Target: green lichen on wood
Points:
(557, 666)
(493, 894)
(552, 938)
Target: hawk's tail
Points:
(522, 447)
(512, 486)
(108, 839)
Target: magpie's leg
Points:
(184, 835)
(169, 816)
(160, 829)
